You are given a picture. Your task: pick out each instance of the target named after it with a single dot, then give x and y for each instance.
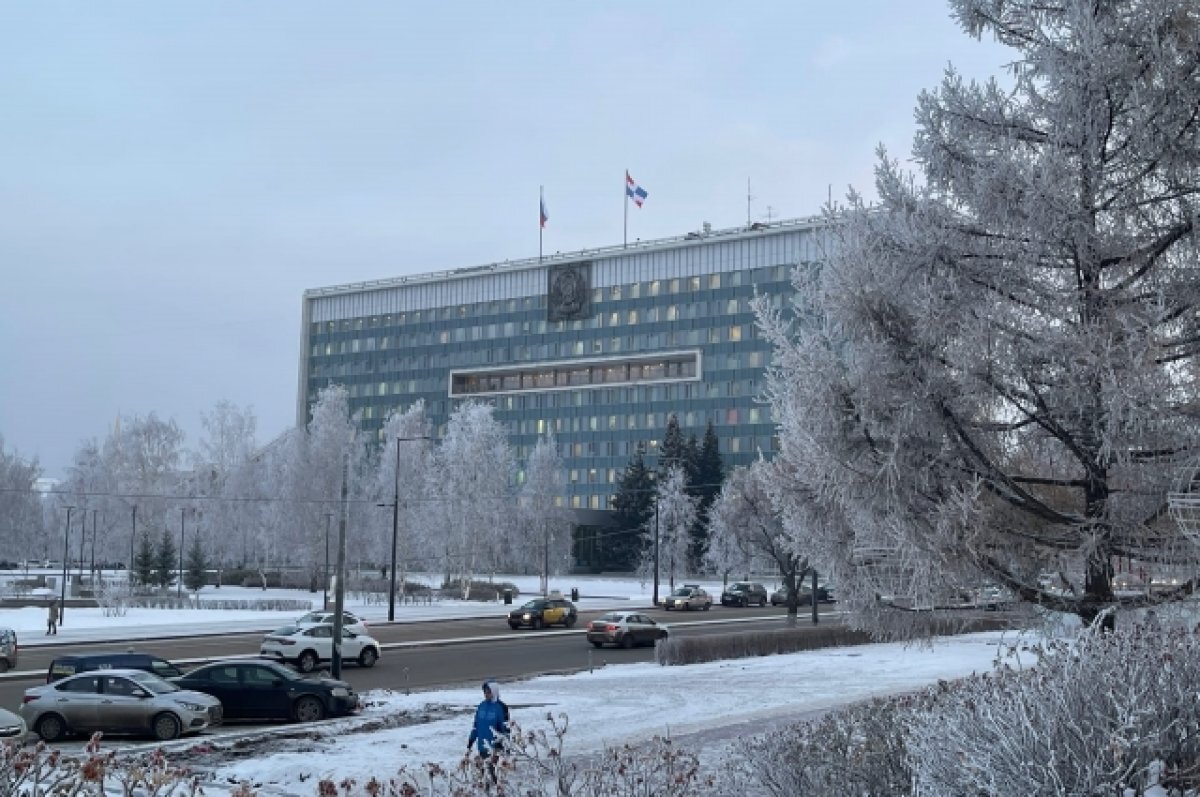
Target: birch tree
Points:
(1000, 385)
(745, 528)
(20, 509)
(676, 516)
(401, 478)
(546, 526)
(473, 468)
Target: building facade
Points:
(599, 347)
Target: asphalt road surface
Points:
(425, 655)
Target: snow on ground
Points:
(609, 705)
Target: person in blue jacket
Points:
(491, 725)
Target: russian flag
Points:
(545, 217)
(634, 191)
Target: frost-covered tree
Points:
(1001, 381)
(746, 529)
(676, 516)
(473, 468)
(545, 521)
(20, 509)
(223, 473)
(142, 457)
(400, 479)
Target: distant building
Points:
(598, 346)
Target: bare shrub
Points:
(1110, 714)
(694, 650)
(857, 750)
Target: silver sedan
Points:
(117, 701)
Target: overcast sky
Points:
(174, 175)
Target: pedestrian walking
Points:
(52, 618)
(490, 728)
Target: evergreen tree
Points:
(143, 563)
(634, 511)
(676, 451)
(197, 563)
(709, 476)
(165, 560)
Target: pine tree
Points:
(197, 564)
(165, 560)
(634, 511)
(143, 563)
(709, 476)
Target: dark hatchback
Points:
(744, 593)
(267, 690)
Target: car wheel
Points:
(307, 661)
(3, 665)
(51, 728)
(596, 644)
(706, 606)
(166, 727)
(570, 621)
(537, 623)
(514, 626)
(368, 657)
(667, 607)
(308, 709)
(627, 641)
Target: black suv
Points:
(62, 666)
(744, 593)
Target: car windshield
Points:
(534, 605)
(152, 683)
(287, 630)
(682, 592)
(611, 617)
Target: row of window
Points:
(637, 395)
(512, 329)
(680, 366)
(635, 290)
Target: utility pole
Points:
(179, 587)
(62, 602)
(656, 550)
(93, 565)
(132, 537)
(339, 594)
(396, 524)
(325, 589)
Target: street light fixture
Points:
(62, 601)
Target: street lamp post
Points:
(396, 525)
(656, 550)
(83, 539)
(179, 587)
(132, 537)
(325, 589)
(93, 564)
(62, 601)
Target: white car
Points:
(350, 621)
(12, 726)
(309, 645)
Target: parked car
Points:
(543, 611)
(687, 598)
(117, 701)
(9, 649)
(70, 664)
(307, 646)
(12, 726)
(803, 596)
(267, 690)
(350, 621)
(624, 629)
(744, 593)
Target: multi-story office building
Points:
(599, 347)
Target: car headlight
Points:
(340, 691)
(190, 706)
(527, 616)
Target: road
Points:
(424, 655)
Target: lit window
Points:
(577, 502)
(673, 313)
(633, 316)
(714, 281)
(655, 287)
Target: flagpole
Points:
(625, 229)
(541, 224)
